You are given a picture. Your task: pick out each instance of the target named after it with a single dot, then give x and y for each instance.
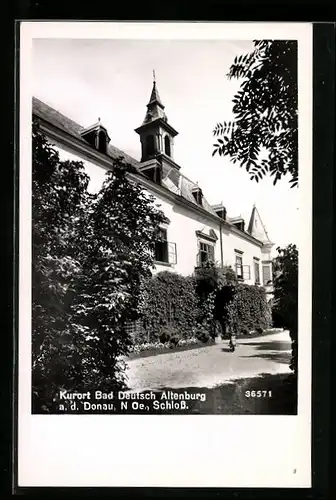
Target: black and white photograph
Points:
(165, 222)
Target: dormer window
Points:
(198, 195)
(153, 173)
(240, 225)
(221, 212)
(97, 137)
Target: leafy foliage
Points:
(90, 255)
(210, 280)
(58, 208)
(285, 304)
(263, 137)
(248, 309)
(169, 308)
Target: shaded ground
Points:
(211, 366)
(255, 379)
(171, 349)
(167, 350)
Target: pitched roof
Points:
(173, 181)
(155, 108)
(256, 227)
(50, 115)
(181, 186)
(155, 97)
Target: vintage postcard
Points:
(165, 300)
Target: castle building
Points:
(194, 231)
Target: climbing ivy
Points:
(247, 309)
(169, 303)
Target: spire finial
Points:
(154, 76)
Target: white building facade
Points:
(195, 231)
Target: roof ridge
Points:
(40, 103)
(54, 110)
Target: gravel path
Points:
(213, 365)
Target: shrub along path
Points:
(212, 366)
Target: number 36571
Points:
(258, 394)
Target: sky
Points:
(112, 80)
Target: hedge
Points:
(176, 308)
(243, 308)
(169, 309)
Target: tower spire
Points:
(155, 97)
(156, 135)
(256, 227)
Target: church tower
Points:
(157, 140)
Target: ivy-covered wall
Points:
(243, 308)
(175, 306)
(169, 303)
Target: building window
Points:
(206, 253)
(167, 145)
(161, 246)
(133, 328)
(256, 272)
(243, 272)
(239, 266)
(165, 251)
(150, 146)
(267, 274)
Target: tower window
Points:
(150, 148)
(167, 145)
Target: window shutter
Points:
(172, 253)
(257, 273)
(246, 272)
(212, 253)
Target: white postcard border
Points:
(194, 450)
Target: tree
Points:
(263, 137)
(59, 201)
(120, 233)
(285, 303)
(90, 254)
